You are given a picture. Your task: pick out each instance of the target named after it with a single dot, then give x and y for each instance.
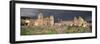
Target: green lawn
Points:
(39, 30)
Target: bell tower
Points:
(40, 15)
(52, 20)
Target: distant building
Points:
(49, 21)
(76, 22)
(80, 22)
(40, 21)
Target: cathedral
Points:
(40, 21)
(49, 21)
(44, 21)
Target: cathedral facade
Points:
(49, 21)
(40, 21)
(44, 21)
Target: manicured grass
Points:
(76, 29)
(39, 30)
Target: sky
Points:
(58, 14)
